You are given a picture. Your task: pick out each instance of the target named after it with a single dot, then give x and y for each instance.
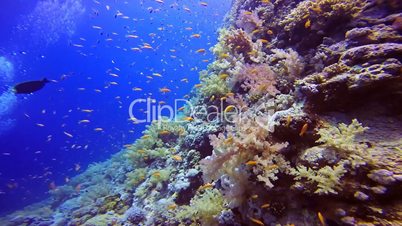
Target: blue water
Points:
(44, 38)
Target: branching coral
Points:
(257, 79)
(238, 42)
(343, 136)
(351, 153)
(245, 138)
(234, 42)
(235, 47)
(204, 207)
(327, 178)
(238, 101)
(269, 165)
(343, 139)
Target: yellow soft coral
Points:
(343, 136)
(204, 207)
(327, 178)
(135, 177)
(352, 154)
(213, 85)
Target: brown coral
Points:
(239, 42)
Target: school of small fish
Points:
(162, 42)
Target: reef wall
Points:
(303, 128)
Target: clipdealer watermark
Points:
(262, 115)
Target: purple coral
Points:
(135, 215)
(248, 21)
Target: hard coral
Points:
(135, 215)
(321, 13)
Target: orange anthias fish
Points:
(165, 90)
(177, 158)
(200, 50)
(303, 129)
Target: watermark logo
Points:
(224, 112)
(155, 111)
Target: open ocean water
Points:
(95, 53)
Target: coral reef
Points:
(306, 130)
(204, 207)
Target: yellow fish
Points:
(307, 24)
(229, 108)
(223, 76)
(189, 119)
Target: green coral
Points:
(135, 177)
(166, 130)
(159, 133)
(139, 157)
(204, 207)
(159, 176)
(159, 136)
(213, 85)
(155, 179)
(112, 203)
